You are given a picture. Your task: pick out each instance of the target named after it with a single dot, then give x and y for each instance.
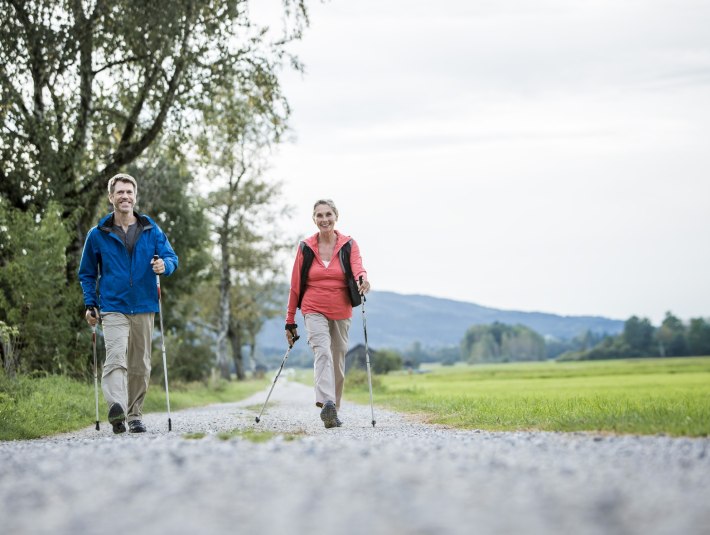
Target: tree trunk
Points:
(236, 340)
(252, 354)
(10, 353)
(224, 309)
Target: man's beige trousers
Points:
(127, 366)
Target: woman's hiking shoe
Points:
(136, 426)
(116, 417)
(329, 415)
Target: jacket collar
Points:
(106, 223)
(312, 241)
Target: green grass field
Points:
(641, 396)
(38, 407)
(644, 396)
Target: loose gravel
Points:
(400, 477)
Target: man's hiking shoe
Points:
(116, 418)
(136, 426)
(329, 415)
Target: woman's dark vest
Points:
(344, 256)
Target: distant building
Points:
(355, 357)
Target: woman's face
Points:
(324, 217)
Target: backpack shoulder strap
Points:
(308, 256)
(344, 256)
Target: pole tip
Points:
(97, 426)
(256, 419)
(170, 425)
(373, 423)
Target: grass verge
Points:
(641, 396)
(39, 407)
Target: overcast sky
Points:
(528, 155)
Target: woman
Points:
(326, 282)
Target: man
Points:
(118, 254)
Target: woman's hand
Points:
(363, 287)
(291, 334)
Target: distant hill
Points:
(396, 321)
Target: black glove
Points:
(291, 328)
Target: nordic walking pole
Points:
(293, 341)
(96, 377)
(162, 340)
(367, 356)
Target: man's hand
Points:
(158, 266)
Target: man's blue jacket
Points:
(126, 283)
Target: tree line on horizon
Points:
(672, 338)
(499, 342)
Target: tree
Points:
(671, 337)
(502, 343)
(638, 336)
(249, 264)
(641, 339)
(699, 337)
(236, 136)
(253, 303)
(87, 87)
(385, 361)
(382, 361)
(416, 354)
(580, 343)
(8, 348)
(33, 304)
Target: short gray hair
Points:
(328, 202)
(122, 177)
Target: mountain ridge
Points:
(396, 321)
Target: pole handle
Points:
(363, 295)
(155, 259)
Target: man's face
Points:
(123, 197)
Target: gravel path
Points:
(401, 477)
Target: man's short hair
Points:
(121, 177)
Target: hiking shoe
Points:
(136, 426)
(329, 415)
(116, 418)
